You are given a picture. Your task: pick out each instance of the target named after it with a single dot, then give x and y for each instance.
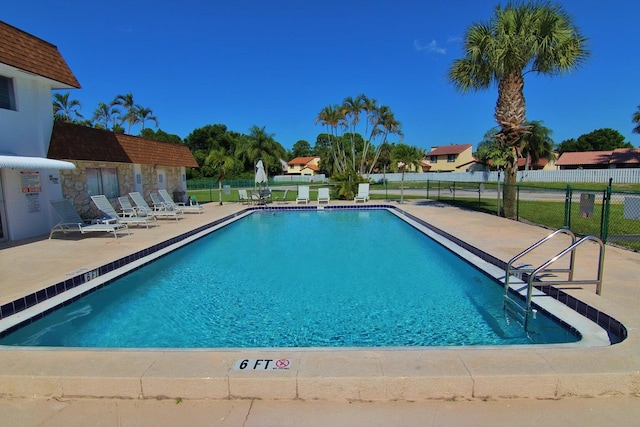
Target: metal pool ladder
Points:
(530, 273)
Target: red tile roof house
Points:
(30, 68)
(304, 166)
(610, 159)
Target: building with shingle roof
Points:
(40, 162)
(449, 158)
(30, 68)
(609, 159)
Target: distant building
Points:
(610, 159)
(304, 166)
(449, 158)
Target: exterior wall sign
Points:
(30, 181)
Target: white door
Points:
(162, 180)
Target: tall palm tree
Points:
(130, 116)
(636, 119)
(106, 114)
(520, 38)
(404, 157)
(333, 118)
(63, 108)
(386, 124)
(351, 109)
(145, 114)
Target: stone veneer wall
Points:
(74, 183)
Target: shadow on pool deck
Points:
(372, 374)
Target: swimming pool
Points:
(279, 280)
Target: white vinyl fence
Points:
(619, 176)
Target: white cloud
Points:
(429, 47)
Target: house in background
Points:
(304, 166)
(610, 159)
(116, 164)
(449, 158)
(30, 68)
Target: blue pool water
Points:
(338, 278)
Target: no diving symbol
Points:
(283, 363)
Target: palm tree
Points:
(106, 114)
(145, 114)
(404, 157)
(332, 117)
(351, 109)
(63, 108)
(259, 145)
(386, 124)
(130, 116)
(636, 119)
(536, 144)
(520, 38)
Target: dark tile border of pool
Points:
(614, 328)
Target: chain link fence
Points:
(613, 216)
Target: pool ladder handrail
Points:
(533, 272)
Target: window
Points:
(103, 181)
(7, 98)
(434, 159)
(451, 158)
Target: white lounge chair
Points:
(281, 199)
(72, 222)
(191, 207)
(141, 205)
(363, 193)
(160, 205)
(127, 209)
(303, 194)
(323, 195)
(243, 197)
(103, 204)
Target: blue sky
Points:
(278, 63)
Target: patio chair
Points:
(256, 198)
(363, 192)
(127, 209)
(111, 216)
(282, 199)
(243, 197)
(141, 205)
(72, 222)
(303, 194)
(160, 205)
(323, 195)
(191, 207)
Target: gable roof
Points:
(594, 157)
(445, 150)
(29, 53)
(75, 142)
(625, 156)
(302, 160)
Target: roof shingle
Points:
(449, 149)
(29, 53)
(75, 142)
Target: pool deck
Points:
(420, 382)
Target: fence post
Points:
(567, 207)
(427, 189)
(517, 202)
(606, 202)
